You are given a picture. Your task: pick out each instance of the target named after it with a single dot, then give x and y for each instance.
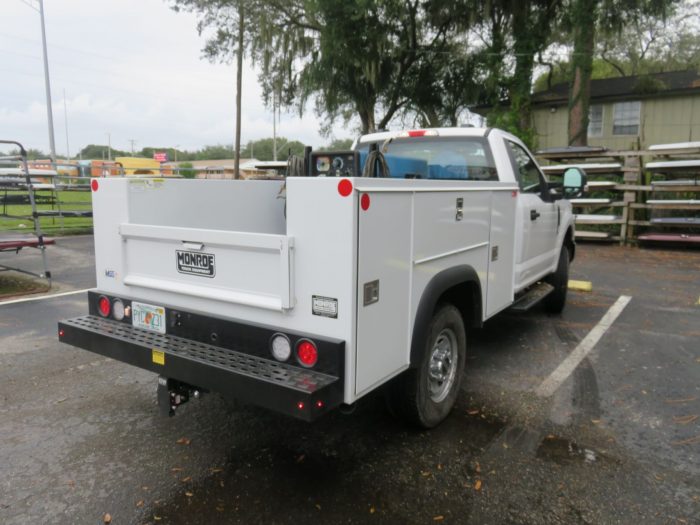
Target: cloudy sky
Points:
(130, 68)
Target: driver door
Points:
(538, 218)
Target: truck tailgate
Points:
(240, 267)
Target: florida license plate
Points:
(148, 316)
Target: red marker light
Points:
(104, 306)
(319, 404)
(94, 185)
(345, 187)
(418, 133)
(61, 332)
(307, 353)
(364, 201)
(300, 405)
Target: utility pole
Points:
(274, 127)
(65, 119)
(49, 109)
(133, 141)
(109, 146)
(239, 86)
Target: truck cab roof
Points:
(432, 132)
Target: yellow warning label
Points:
(158, 357)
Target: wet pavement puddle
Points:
(564, 451)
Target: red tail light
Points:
(307, 353)
(104, 306)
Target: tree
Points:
(583, 16)
(97, 152)
(186, 170)
(218, 152)
(32, 154)
(352, 58)
(586, 20)
(229, 18)
(532, 25)
(339, 144)
(511, 34)
(653, 44)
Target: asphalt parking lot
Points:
(617, 442)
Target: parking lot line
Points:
(564, 370)
(42, 297)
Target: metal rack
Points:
(13, 242)
(604, 215)
(672, 213)
(661, 196)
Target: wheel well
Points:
(467, 298)
(458, 285)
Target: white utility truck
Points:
(306, 293)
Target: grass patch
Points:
(12, 284)
(15, 215)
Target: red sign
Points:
(161, 156)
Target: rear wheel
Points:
(425, 395)
(554, 303)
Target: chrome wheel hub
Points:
(442, 365)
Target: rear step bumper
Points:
(303, 394)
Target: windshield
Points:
(445, 158)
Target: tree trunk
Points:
(239, 84)
(495, 60)
(584, 20)
(525, 46)
(367, 118)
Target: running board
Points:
(533, 296)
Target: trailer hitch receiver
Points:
(173, 393)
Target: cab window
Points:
(445, 158)
(528, 174)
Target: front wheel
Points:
(425, 395)
(554, 303)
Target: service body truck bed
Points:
(197, 280)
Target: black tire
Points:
(554, 303)
(409, 396)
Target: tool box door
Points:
(384, 261)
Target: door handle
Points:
(534, 214)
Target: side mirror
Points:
(574, 183)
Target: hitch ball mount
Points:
(173, 393)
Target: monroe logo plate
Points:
(196, 263)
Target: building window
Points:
(626, 118)
(595, 121)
